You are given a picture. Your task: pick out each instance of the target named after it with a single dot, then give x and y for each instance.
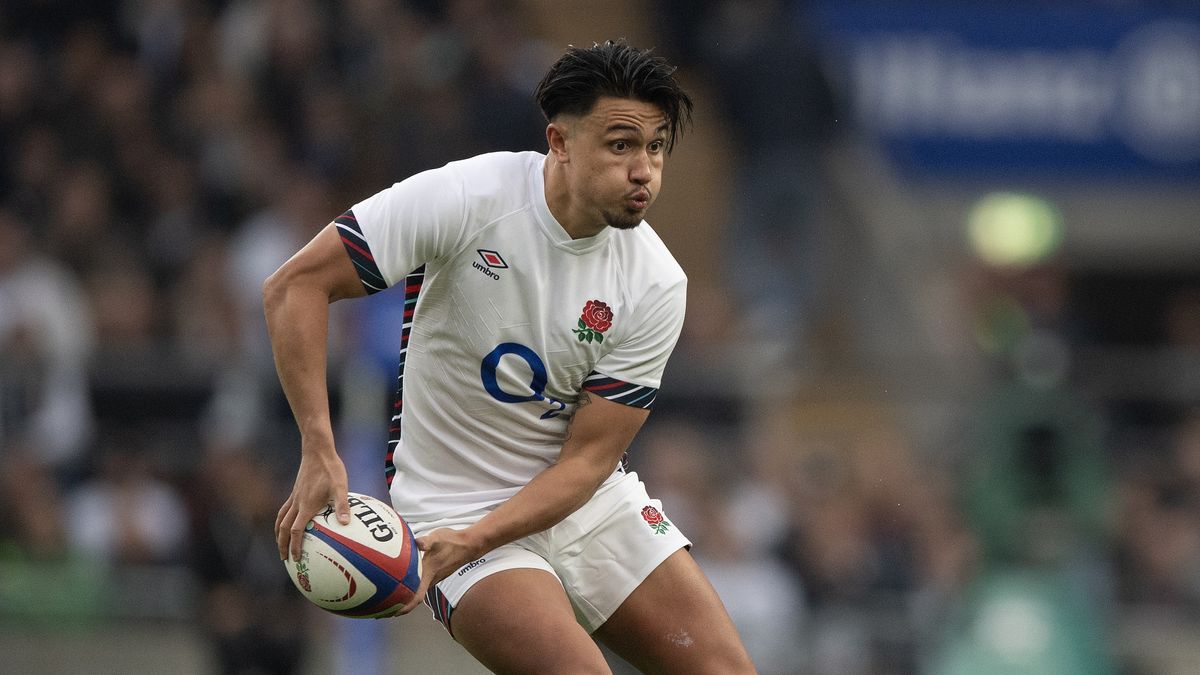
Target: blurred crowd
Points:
(159, 158)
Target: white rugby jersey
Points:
(507, 320)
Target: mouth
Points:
(639, 200)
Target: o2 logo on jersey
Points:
(537, 383)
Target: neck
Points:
(564, 207)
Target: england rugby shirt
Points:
(507, 320)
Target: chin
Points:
(624, 221)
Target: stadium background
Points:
(937, 404)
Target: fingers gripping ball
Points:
(367, 569)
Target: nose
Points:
(640, 171)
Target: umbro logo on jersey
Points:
(492, 260)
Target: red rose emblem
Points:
(655, 520)
(652, 515)
(597, 315)
(302, 573)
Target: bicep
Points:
(601, 431)
(323, 264)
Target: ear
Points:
(556, 139)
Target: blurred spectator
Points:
(32, 518)
(46, 338)
(18, 91)
(126, 513)
(176, 222)
(1183, 320)
(42, 580)
(1042, 490)
(875, 537)
(82, 218)
(763, 596)
(207, 316)
(780, 111)
(254, 617)
(504, 65)
(33, 165)
(127, 306)
(1159, 548)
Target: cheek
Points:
(612, 177)
(656, 182)
(656, 168)
(592, 178)
(599, 170)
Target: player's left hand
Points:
(443, 551)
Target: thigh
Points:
(673, 622)
(520, 621)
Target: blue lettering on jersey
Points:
(537, 385)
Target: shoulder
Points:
(481, 174)
(646, 258)
(653, 280)
(496, 182)
(496, 170)
(491, 161)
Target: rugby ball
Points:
(365, 570)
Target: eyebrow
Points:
(629, 127)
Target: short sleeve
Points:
(399, 229)
(632, 372)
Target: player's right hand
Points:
(320, 482)
(443, 551)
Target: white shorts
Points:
(600, 553)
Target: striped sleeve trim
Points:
(634, 395)
(360, 252)
(412, 292)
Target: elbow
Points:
(273, 290)
(592, 472)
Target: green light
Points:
(1009, 229)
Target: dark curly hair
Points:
(581, 76)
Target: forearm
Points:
(296, 302)
(297, 323)
(598, 436)
(551, 496)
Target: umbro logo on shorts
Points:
(470, 566)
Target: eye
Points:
(656, 146)
(620, 146)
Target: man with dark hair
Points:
(540, 313)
